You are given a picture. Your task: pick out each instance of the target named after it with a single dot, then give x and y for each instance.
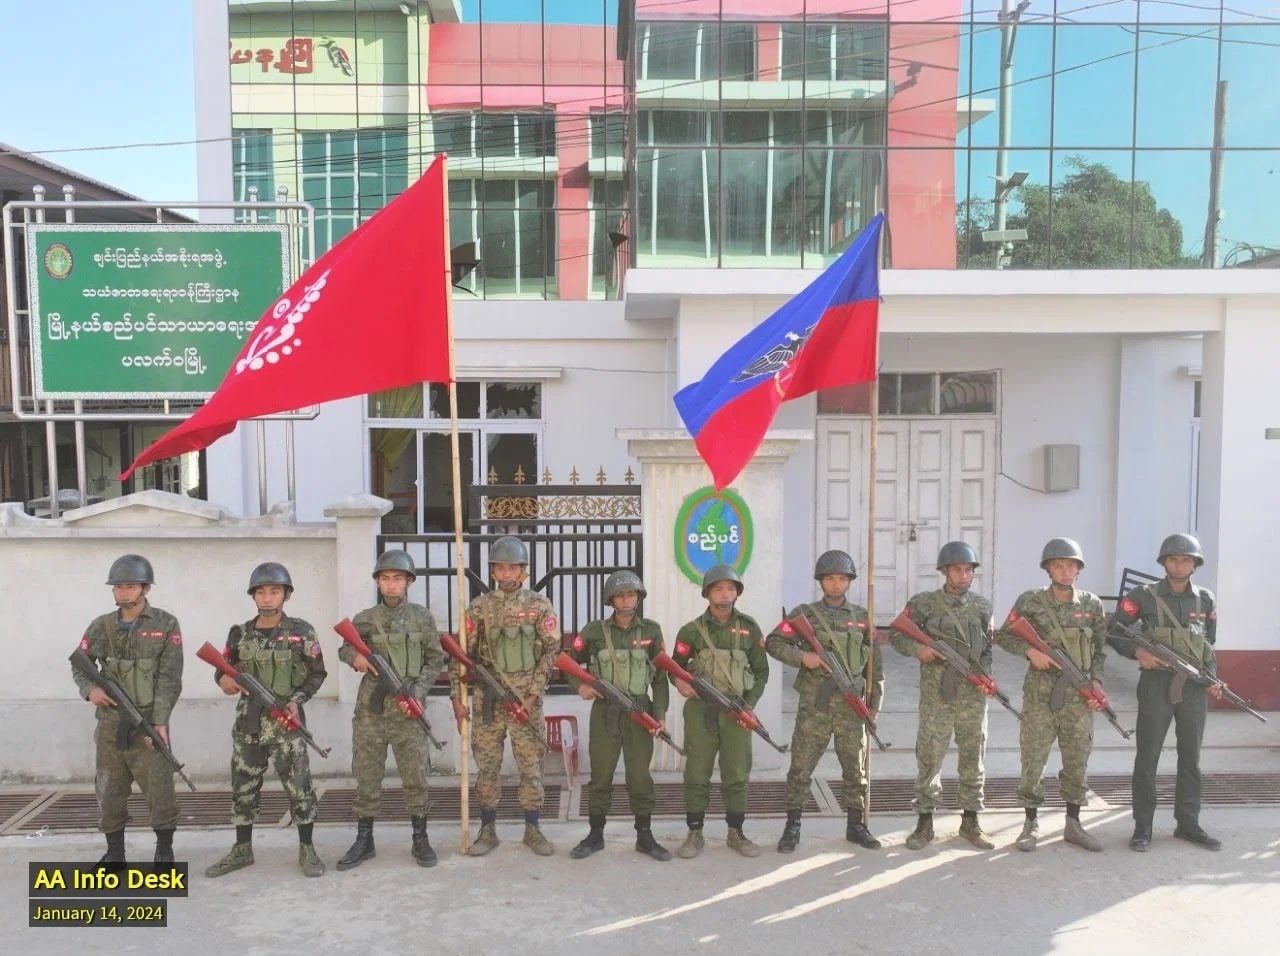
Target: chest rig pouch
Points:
(134, 670)
(276, 663)
(1187, 640)
(627, 668)
(1075, 642)
(966, 636)
(513, 644)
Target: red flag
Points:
(369, 315)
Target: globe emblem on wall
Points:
(58, 261)
(712, 529)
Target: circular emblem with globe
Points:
(712, 528)
(57, 261)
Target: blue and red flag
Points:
(823, 337)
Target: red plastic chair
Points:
(562, 736)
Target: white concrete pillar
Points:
(670, 471)
(1239, 507)
(357, 519)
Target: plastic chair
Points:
(562, 737)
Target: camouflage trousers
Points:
(608, 742)
(705, 739)
(527, 747)
(371, 735)
(118, 769)
(1071, 727)
(249, 756)
(813, 731)
(966, 718)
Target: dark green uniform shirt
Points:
(144, 658)
(738, 645)
(849, 627)
(1077, 626)
(963, 620)
(642, 638)
(406, 635)
(1193, 611)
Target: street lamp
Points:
(1010, 14)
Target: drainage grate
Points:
(15, 803)
(894, 795)
(79, 811)
(765, 798)
(336, 802)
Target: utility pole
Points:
(1009, 15)
(1209, 257)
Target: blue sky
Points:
(92, 73)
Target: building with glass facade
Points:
(1082, 210)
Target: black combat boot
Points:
(856, 831)
(422, 851)
(790, 838)
(363, 848)
(164, 846)
(1140, 842)
(593, 842)
(646, 844)
(113, 860)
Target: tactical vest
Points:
(956, 626)
(1077, 642)
(849, 644)
(1189, 641)
(136, 675)
(627, 667)
(281, 666)
(513, 647)
(727, 668)
(402, 648)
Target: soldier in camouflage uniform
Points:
(284, 654)
(1176, 613)
(406, 635)
(1074, 622)
(727, 648)
(140, 648)
(513, 632)
(843, 628)
(621, 650)
(954, 614)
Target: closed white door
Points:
(935, 483)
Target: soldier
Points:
(284, 654)
(1074, 622)
(621, 650)
(515, 633)
(955, 614)
(140, 648)
(843, 627)
(1177, 613)
(727, 648)
(406, 635)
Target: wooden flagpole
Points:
(464, 731)
(870, 563)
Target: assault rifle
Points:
(502, 694)
(839, 676)
(261, 697)
(710, 694)
(131, 718)
(619, 698)
(389, 682)
(957, 663)
(1183, 669)
(1084, 685)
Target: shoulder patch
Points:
(1129, 605)
(549, 622)
(578, 643)
(175, 639)
(683, 649)
(84, 643)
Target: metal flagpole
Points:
(464, 770)
(870, 564)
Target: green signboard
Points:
(147, 311)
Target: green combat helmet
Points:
(621, 581)
(1181, 544)
(1062, 548)
(508, 550)
(834, 562)
(270, 572)
(718, 573)
(395, 560)
(131, 569)
(957, 552)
